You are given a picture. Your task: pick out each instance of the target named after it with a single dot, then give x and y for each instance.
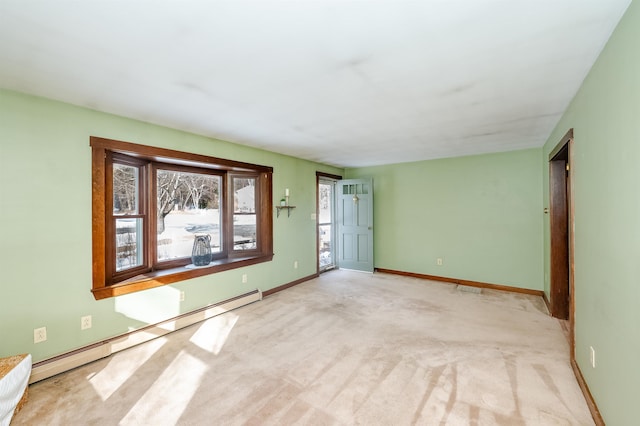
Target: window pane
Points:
(188, 205)
(326, 196)
(129, 246)
(325, 245)
(244, 195)
(244, 232)
(125, 189)
(244, 218)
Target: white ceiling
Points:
(347, 83)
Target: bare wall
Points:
(482, 215)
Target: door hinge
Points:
(567, 166)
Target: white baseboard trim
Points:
(67, 361)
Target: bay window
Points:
(150, 203)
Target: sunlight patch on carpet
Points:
(121, 369)
(168, 397)
(213, 333)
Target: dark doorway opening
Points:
(561, 232)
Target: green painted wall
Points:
(481, 214)
(605, 116)
(45, 244)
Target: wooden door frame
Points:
(567, 142)
(319, 176)
(557, 156)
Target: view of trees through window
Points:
(125, 189)
(188, 204)
(129, 219)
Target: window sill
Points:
(168, 276)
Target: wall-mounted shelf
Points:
(288, 208)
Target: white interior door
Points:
(355, 224)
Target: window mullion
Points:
(110, 225)
(225, 217)
(150, 207)
(228, 213)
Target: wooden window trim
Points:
(102, 286)
(320, 176)
(110, 218)
(233, 252)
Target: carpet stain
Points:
(550, 383)
(511, 365)
(389, 363)
(452, 394)
(434, 378)
(370, 353)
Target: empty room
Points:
(319, 212)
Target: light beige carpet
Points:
(346, 348)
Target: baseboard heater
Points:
(67, 361)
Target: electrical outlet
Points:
(244, 278)
(592, 356)
(182, 296)
(39, 334)
(295, 265)
(439, 261)
(85, 322)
